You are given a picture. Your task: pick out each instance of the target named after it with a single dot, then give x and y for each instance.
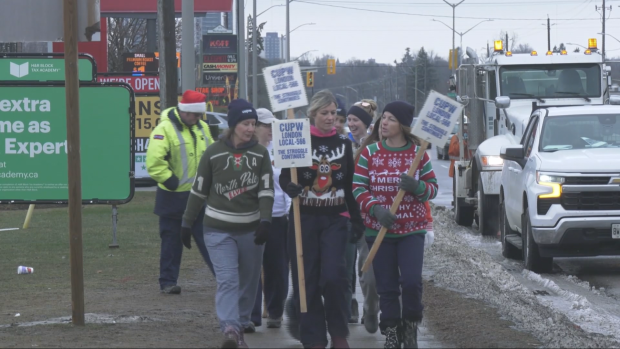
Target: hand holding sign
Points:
(291, 140)
(436, 120)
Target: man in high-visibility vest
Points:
(455, 150)
(175, 148)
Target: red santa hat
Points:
(193, 102)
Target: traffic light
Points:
(331, 67)
(310, 79)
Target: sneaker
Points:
(392, 338)
(249, 328)
(172, 289)
(241, 342)
(355, 313)
(231, 338)
(410, 334)
(370, 322)
(274, 323)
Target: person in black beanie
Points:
(341, 117)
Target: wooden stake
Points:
(28, 216)
(399, 197)
(301, 276)
(72, 98)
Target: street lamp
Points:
(303, 54)
(463, 33)
(269, 8)
(301, 25)
(356, 93)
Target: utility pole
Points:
(548, 34)
(453, 32)
(604, 9)
(169, 85)
(254, 60)
(507, 44)
(242, 78)
(288, 31)
(188, 59)
(72, 100)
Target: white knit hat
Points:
(193, 102)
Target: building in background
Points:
(272, 46)
(283, 40)
(214, 19)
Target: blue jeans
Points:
(237, 262)
(172, 248)
(275, 269)
(398, 265)
(324, 241)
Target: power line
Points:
(443, 16)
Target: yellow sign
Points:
(331, 67)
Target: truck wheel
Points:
(508, 250)
(463, 215)
(488, 212)
(531, 258)
(439, 155)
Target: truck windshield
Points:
(580, 132)
(550, 81)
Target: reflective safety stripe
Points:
(184, 161)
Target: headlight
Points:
(492, 161)
(551, 181)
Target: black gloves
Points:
(384, 216)
(186, 237)
(357, 231)
(262, 232)
(171, 183)
(408, 183)
(293, 190)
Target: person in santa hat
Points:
(175, 148)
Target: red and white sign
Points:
(140, 84)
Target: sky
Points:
(382, 29)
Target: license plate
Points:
(615, 231)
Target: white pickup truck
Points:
(560, 188)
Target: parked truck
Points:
(499, 95)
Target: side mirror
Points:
(514, 153)
(614, 99)
(502, 102)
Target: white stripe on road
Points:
(9, 229)
(444, 166)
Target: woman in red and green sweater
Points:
(380, 172)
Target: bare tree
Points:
(523, 48)
(124, 35)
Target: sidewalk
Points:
(358, 338)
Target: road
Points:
(593, 281)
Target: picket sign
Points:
(286, 90)
(435, 123)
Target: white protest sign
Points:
(285, 86)
(291, 143)
(437, 118)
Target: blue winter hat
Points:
(239, 110)
(341, 108)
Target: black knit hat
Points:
(403, 112)
(341, 108)
(361, 114)
(239, 110)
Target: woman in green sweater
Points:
(235, 179)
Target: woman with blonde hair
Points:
(399, 259)
(325, 202)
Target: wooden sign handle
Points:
(394, 208)
(301, 276)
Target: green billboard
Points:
(33, 146)
(41, 69)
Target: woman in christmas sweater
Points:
(325, 200)
(379, 174)
(235, 179)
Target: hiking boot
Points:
(371, 322)
(241, 342)
(274, 323)
(231, 338)
(410, 334)
(172, 289)
(249, 328)
(392, 337)
(355, 313)
(293, 318)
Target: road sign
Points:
(437, 118)
(331, 67)
(310, 79)
(33, 144)
(291, 143)
(285, 86)
(41, 69)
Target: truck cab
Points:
(500, 95)
(560, 186)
